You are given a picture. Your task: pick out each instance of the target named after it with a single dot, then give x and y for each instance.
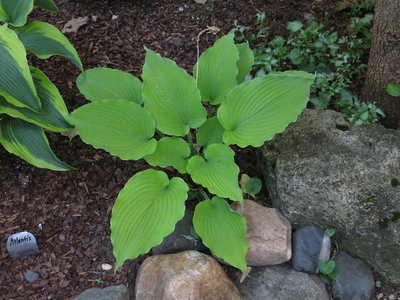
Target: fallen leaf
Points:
(200, 1)
(74, 24)
(70, 134)
(245, 274)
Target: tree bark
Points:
(384, 61)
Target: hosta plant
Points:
(187, 122)
(29, 102)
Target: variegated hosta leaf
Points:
(216, 70)
(171, 96)
(210, 132)
(217, 171)
(54, 112)
(47, 5)
(123, 128)
(16, 84)
(15, 12)
(170, 151)
(45, 40)
(245, 62)
(146, 211)
(222, 230)
(104, 84)
(29, 142)
(257, 109)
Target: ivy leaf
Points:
(171, 96)
(217, 171)
(104, 84)
(330, 232)
(250, 186)
(170, 151)
(48, 5)
(123, 128)
(146, 210)
(256, 110)
(222, 230)
(393, 89)
(326, 267)
(335, 273)
(216, 70)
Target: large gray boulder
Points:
(322, 171)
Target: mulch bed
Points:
(69, 212)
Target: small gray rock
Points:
(355, 281)
(182, 239)
(282, 283)
(115, 292)
(31, 276)
(307, 246)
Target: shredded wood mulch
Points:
(68, 212)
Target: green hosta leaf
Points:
(104, 84)
(170, 151)
(258, 109)
(326, 267)
(216, 70)
(16, 84)
(16, 11)
(146, 210)
(171, 96)
(393, 89)
(222, 230)
(54, 112)
(217, 171)
(47, 5)
(120, 127)
(45, 40)
(29, 142)
(210, 132)
(245, 62)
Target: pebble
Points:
(31, 276)
(106, 267)
(307, 248)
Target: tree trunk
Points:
(384, 60)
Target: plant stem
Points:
(203, 193)
(191, 146)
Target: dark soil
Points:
(69, 212)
